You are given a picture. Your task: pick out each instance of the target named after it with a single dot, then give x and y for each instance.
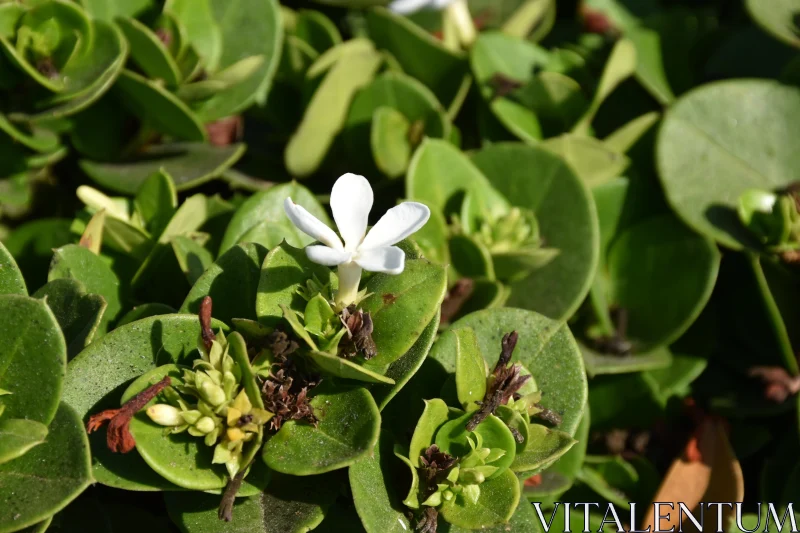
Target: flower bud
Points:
(165, 415)
(212, 393)
(205, 425)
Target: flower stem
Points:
(458, 13)
(349, 278)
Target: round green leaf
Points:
(664, 297)
(531, 178)
(248, 28)
(78, 313)
(143, 311)
(452, 438)
(496, 54)
(712, 147)
(99, 375)
(401, 306)
(149, 52)
(497, 502)
(231, 282)
(778, 18)
(524, 520)
(349, 425)
(391, 148)
(544, 447)
(33, 362)
(11, 280)
(18, 435)
(266, 208)
(60, 466)
(289, 504)
(32, 244)
(78, 263)
(188, 164)
(435, 414)
(545, 347)
(181, 459)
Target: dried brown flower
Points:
(285, 391)
(359, 333)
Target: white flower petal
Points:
(389, 260)
(323, 255)
(311, 225)
(351, 202)
(405, 7)
(440, 4)
(398, 223)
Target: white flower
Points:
(406, 7)
(351, 202)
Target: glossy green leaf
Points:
(149, 52)
(61, 467)
(188, 164)
(592, 160)
(18, 435)
(327, 111)
(78, 263)
(266, 208)
(78, 312)
(349, 426)
(452, 437)
(377, 495)
(599, 363)
(249, 28)
(181, 458)
(470, 369)
(778, 18)
(523, 520)
(401, 306)
(110, 9)
(145, 311)
(289, 504)
(285, 269)
(163, 110)
(344, 368)
(99, 375)
(33, 362)
(156, 201)
(680, 275)
(11, 280)
(544, 447)
(202, 29)
(531, 178)
(712, 147)
(435, 414)
(193, 259)
(499, 56)
(389, 141)
(420, 55)
(497, 502)
(545, 347)
(231, 282)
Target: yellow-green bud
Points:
(165, 415)
(205, 425)
(212, 393)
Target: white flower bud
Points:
(165, 415)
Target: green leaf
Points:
(531, 178)
(110, 9)
(470, 369)
(515, 421)
(404, 368)
(11, 280)
(202, 29)
(33, 362)
(161, 109)
(377, 495)
(327, 111)
(523, 520)
(78, 312)
(143, 311)
(497, 502)
(289, 504)
(156, 201)
(777, 18)
(389, 141)
(249, 28)
(681, 272)
(316, 29)
(545, 347)
(181, 458)
(78, 263)
(592, 160)
(435, 414)
(193, 259)
(231, 282)
(421, 56)
(344, 368)
(711, 148)
(99, 375)
(149, 53)
(401, 306)
(17, 436)
(265, 208)
(188, 164)
(544, 447)
(598, 363)
(452, 437)
(626, 136)
(499, 56)
(285, 270)
(32, 244)
(349, 426)
(61, 467)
